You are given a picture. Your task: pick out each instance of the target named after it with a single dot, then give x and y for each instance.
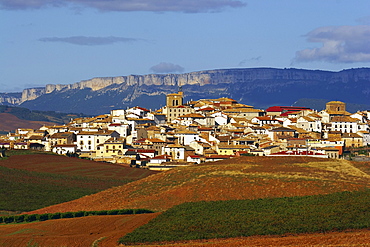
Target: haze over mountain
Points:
(259, 87)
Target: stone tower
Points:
(336, 106)
(174, 99)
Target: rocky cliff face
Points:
(260, 87)
(10, 98)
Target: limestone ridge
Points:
(260, 87)
(10, 98)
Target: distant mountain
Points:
(260, 87)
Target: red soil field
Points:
(345, 238)
(239, 178)
(77, 232)
(105, 231)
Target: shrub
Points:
(142, 211)
(113, 212)
(67, 215)
(125, 211)
(80, 214)
(102, 212)
(43, 217)
(19, 218)
(54, 216)
(30, 217)
(8, 219)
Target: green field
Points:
(275, 216)
(32, 180)
(25, 191)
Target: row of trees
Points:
(52, 216)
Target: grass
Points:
(238, 218)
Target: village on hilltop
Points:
(182, 134)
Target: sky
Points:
(66, 41)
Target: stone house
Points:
(352, 140)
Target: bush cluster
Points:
(53, 216)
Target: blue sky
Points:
(66, 41)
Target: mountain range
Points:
(259, 87)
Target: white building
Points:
(185, 137)
(64, 149)
(309, 124)
(122, 129)
(177, 152)
(87, 141)
(345, 124)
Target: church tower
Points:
(175, 107)
(174, 99)
(336, 106)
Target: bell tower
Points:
(174, 99)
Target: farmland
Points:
(269, 216)
(235, 179)
(33, 181)
(215, 186)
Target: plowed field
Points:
(348, 238)
(104, 231)
(77, 232)
(239, 178)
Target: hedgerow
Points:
(270, 216)
(52, 216)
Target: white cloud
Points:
(89, 41)
(190, 6)
(343, 44)
(166, 68)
